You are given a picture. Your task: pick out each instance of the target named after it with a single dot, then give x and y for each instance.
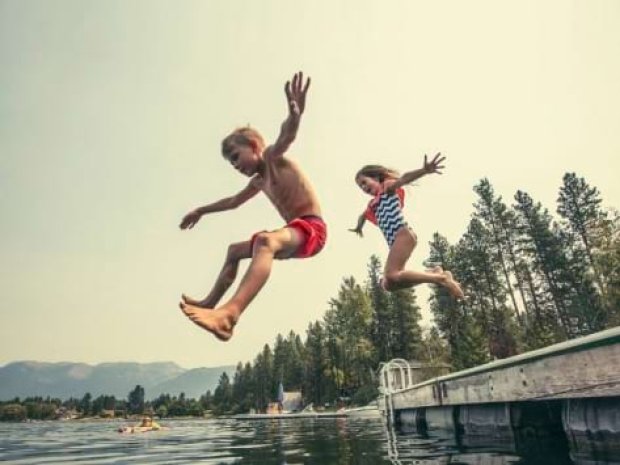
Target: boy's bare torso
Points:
(288, 188)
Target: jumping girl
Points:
(385, 211)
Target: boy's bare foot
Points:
(219, 322)
(197, 303)
(454, 288)
(436, 270)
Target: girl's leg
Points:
(236, 253)
(396, 277)
(268, 245)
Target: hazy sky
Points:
(112, 113)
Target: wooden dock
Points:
(572, 388)
(585, 367)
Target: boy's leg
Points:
(396, 277)
(236, 253)
(282, 243)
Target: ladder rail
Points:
(395, 375)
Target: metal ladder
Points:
(395, 375)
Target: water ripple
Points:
(227, 441)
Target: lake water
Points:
(226, 441)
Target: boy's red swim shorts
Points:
(313, 231)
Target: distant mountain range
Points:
(65, 380)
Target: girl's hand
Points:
(357, 231)
(190, 219)
(433, 166)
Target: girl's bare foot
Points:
(454, 288)
(204, 303)
(218, 322)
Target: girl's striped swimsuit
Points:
(386, 211)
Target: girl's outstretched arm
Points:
(224, 204)
(296, 99)
(360, 224)
(429, 167)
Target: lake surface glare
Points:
(325, 441)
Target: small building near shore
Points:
(107, 414)
(292, 401)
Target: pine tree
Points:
(587, 313)
(445, 310)
(381, 315)
(493, 213)
(263, 378)
(608, 258)
(222, 397)
(482, 276)
(280, 359)
(348, 321)
(288, 362)
(335, 349)
(135, 400)
(584, 224)
(467, 345)
(467, 341)
(407, 334)
(316, 367)
(434, 349)
(580, 206)
(548, 258)
(295, 371)
(242, 389)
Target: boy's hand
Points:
(296, 95)
(190, 219)
(434, 166)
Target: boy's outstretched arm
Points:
(227, 203)
(296, 98)
(429, 167)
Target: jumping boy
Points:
(291, 193)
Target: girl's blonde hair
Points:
(242, 136)
(377, 172)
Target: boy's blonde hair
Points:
(242, 136)
(377, 172)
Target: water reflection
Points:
(313, 441)
(278, 442)
(464, 444)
